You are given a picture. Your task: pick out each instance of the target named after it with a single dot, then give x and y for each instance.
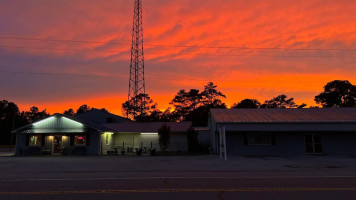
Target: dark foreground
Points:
(197, 177)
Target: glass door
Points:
(57, 144)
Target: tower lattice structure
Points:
(137, 75)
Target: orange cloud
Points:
(180, 37)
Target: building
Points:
(132, 135)
(95, 132)
(330, 131)
(59, 134)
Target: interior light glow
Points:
(36, 123)
(109, 133)
(149, 133)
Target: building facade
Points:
(329, 131)
(95, 133)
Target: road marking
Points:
(167, 177)
(181, 190)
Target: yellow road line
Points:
(181, 190)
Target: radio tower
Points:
(137, 78)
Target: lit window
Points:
(259, 139)
(35, 140)
(79, 140)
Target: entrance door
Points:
(57, 144)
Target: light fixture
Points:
(73, 121)
(109, 133)
(149, 133)
(43, 120)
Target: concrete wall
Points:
(289, 143)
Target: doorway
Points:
(57, 144)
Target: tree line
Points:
(194, 105)
(187, 105)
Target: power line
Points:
(152, 78)
(178, 46)
(177, 54)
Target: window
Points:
(79, 140)
(35, 140)
(313, 144)
(259, 139)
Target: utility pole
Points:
(12, 128)
(137, 78)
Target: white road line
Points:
(169, 177)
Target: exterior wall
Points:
(122, 141)
(147, 140)
(339, 143)
(178, 142)
(204, 137)
(20, 144)
(93, 145)
(289, 143)
(107, 146)
(284, 144)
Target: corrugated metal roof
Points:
(293, 115)
(139, 127)
(58, 123)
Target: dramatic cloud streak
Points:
(89, 41)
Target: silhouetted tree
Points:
(247, 103)
(337, 93)
(280, 101)
(185, 102)
(164, 137)
(83, 108)
(139, 108)
(211, 95)
(34, 114)
(200, 115)
(10, 118)
(194, 105)
(70, 111)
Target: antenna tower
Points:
(137, 78)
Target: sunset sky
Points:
(64, 53)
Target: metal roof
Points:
(100, 116)
(58, 123)
(139, 127)
(285, 115)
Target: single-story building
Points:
(60, 134)
(95, 132)
(330, 131)
(132, 135)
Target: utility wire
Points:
(151, 78)
(179, 46)
(177, 54)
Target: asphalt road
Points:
(50, 178)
